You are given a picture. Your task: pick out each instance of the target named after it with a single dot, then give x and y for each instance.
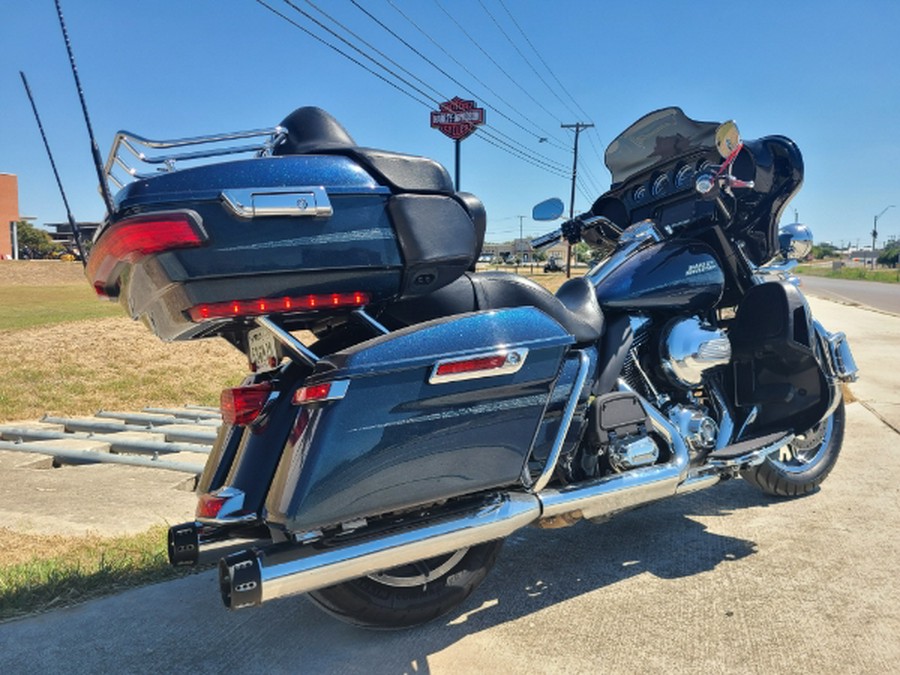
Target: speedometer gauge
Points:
(639, 193)
(660, 185)
(684, 176)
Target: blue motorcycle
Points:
(403, 413)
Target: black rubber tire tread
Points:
(367, 603)
(774, 481)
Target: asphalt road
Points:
(877, 295)
(721, 581)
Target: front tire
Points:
(802, 465)
(412, 594)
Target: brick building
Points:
(9, 211)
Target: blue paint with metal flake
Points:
(396, 441)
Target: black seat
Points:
(313, 131)
(574, 307)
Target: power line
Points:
(450, 77)
(491, 136)
(342, 53)
(492, 60)
(541, 58)
(525, 58)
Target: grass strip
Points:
(45, 572)
(851, 273)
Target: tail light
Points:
(318, 393)
(131, 239)
(243, 405)
(261, 306)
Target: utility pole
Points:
(519, 243)
(578, 127)
(875, 232)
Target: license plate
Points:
(261, 349)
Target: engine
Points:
(689, 348)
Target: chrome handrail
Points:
(142, 149)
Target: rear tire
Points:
(412, 594)
(805, 462)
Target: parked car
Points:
(553, 265)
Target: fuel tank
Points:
(666, 276)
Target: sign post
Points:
(457, 119)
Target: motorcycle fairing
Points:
(397, 440)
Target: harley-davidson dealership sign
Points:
(457, 118)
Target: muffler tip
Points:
(240, 580)
(184, 545)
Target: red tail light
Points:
(242, 405)
(208, 506)
(260, 306)
(471, 365)
(131, 239)
(316, 393)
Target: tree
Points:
(890, 255)
(820, 251)
(34, 242)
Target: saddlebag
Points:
(441, 409)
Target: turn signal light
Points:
(242, 405)
(261, 306)
(131, 239)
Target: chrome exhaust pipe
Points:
(251, 577)
(609, 495)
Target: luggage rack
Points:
(151, 153)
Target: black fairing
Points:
(778, 176)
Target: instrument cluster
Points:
(668, 182)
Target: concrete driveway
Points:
(723, 581)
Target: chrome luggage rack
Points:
(151, 153)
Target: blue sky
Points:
(824, 73)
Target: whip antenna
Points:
(95, 152)
(75, 231)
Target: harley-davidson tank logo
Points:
(700, 268)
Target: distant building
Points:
(9, 212)
(61, 233)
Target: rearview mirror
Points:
(795, 241)
(549, 209)
(728, 138)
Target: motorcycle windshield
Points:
(657, 137)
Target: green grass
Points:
(852, 273)
(63, 571)
(34, 306)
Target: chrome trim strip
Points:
(565, 423)
(515, 359)
(306, 201)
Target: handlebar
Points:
(572, 230)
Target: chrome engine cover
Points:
(689, 348)
(630, 453)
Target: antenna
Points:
(95, 152)
(75, 231)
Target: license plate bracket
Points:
(262, 349)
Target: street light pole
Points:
(875, 231)
(578, 127)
